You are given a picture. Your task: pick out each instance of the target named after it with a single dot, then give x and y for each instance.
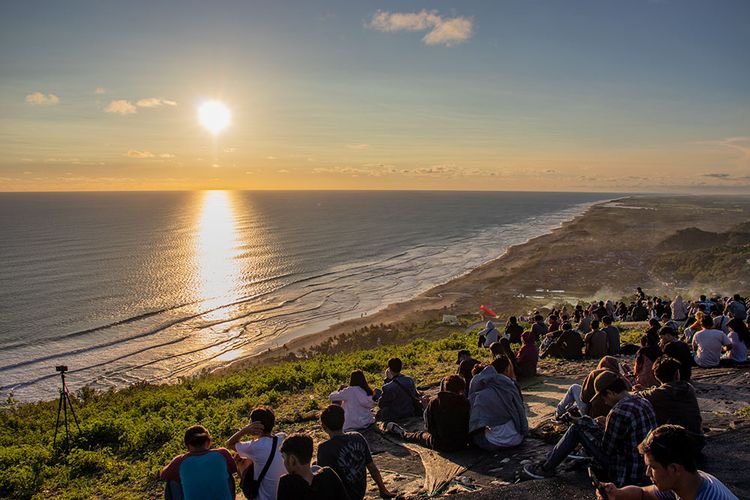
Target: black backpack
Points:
(249, 486)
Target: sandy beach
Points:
(605, 253)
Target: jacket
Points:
(447, 419)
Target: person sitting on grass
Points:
(399, 398)
(613, 336)
(740, 338)
(527, 357)
(513, 330)
(498, 416)
(595, 342)
(301, 483)
(567, 345)
(502, 348)
(465, 364)
(707, 344)
(489, 335)
(678, 350)
(264, 449)
(446, 419)
(348, 454)
(611, 442)
(538, 328)
(356, 399)
(674, 401)
(669, 455)
(202, 472)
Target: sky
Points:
(533, 95)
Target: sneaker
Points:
(394, 428)
(536, 471)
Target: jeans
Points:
(420, 438)
(585, 432)
(572, 396)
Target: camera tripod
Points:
(62, 407)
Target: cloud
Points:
(166, 155)
(121, 106)
(134, 153)
(283, 171)
(441, 30)
(100, 90)
(153, 102)
(270, 157)
(360, 147)
(39, 99)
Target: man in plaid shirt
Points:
(615, 449)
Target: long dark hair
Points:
(357, 379)
(738, 326)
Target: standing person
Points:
(740, 338)
(465, 364)
(707, 344)
(498, 416)
(679, 309)
(613, 336)
(349, 455)
(668, 452)
(399, 398)
(678, 350)
(615, 448)
(258, 452)
(446, 419)
(527, 357)
(301, 483)
(202, 472)
(595, 342)
(513, 330)
(356, 399)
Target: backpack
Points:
(249, 486)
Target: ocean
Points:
(152, 286)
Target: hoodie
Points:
(495, 400)
(527, 357)
(491, 334)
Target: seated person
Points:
(257, 452)
(399, 398)
(613, 336)
(674, 401)
(513, 330)
(465, 364)
(202, 472)
(502, 348)
(446, 419)
(489, 335)
(356, 399)
(678, 350)
(498, 416)
(613, 448)
(538, 328)
(740, 338)
(595, 342)
(584, 325)
(348, 454)
(301, 483)
(567, 345)
(527, 357)
(707, 344)
(644, 362)
(669, 454)
(583, 394)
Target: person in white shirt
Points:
(357, 402)
(258, 451)
(707, 344)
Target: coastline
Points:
(603, 252)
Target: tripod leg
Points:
(67, 431)
(75, 419)
(57, 422)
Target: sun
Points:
(214, 116)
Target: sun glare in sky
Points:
(214, 116)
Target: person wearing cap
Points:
(669, 455)
(615, 448)
(465, 364)
(202, 472)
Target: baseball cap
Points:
(603, 382)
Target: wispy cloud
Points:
(153, 102)
(441, 30)
(121, 106)
(360, 147)
(134, 153)
(39, 99)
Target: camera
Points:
(61, 368)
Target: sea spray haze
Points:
(127, 287)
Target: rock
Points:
(505, 460)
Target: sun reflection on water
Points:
(216, 251)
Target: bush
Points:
(87, 463)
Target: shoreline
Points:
(603, 252)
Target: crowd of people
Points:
(640, 426)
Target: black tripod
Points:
(62, 407)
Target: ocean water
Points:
(131, 287)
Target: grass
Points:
(128, 435)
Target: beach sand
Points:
(605, 253)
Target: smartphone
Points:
(597, 484)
